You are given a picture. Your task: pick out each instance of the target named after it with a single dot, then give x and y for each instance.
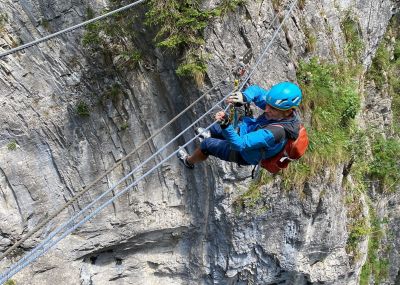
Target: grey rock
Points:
(177, 226)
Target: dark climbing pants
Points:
(217, 146)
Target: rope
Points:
(41, 249)
(46, 38)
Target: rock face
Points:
(176, 226)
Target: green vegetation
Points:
(194, 66)
(10, 282)
(179, 28)
(12, 145)
(115, 93)
(3, 20)
(82, 109)
(114, 37)
(124, 126)
(375, 265)
(250, 197)
(386, 162)
(46, 24)
(385, 68)
(358, 232)
(385, 72)
(354, 44)
(383, 166)
(332, 98)
(380, 66)
(311, 39)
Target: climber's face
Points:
(276, 114)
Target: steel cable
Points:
(70, 29)
(41, 249)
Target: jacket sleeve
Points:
(256, 94)
(258, 139)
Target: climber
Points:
(257, 138)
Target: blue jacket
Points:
(256, 140)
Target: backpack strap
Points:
(277, 130)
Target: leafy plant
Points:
(10, 282)
(124, 126)
(12, 145)
(194, 66)
(375, 265)
(311, 39)
(3, 20)
(249, 199)
(354, 43)
(82, 109)
(386, 162)
(45, 23)
(179, 27)
(380, 66)
(332, 99)
(227, 6)
(91, 36)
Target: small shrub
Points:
(396, 51)
(45, 23)
(193, 66)
(375, 265)
(386, 162)
(311, 39)
(10, 282)
(124, 126)
(332, 98)
(82, 109)
(12, 145)
(3, 20)
(114, 93)
(354, 43)
(91, 36)
(380, 66)
(90, 14)
(227, 6)
(249, 199)
(131, 56)
(180, 26)
(358, 232)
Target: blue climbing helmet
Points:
(284, 96)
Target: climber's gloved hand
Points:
(222, 119)
(237, 98)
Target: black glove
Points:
(224, 122)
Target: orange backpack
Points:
(293, 150)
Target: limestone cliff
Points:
(177, 226)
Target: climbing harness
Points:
(70, 29)
(71, 225)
